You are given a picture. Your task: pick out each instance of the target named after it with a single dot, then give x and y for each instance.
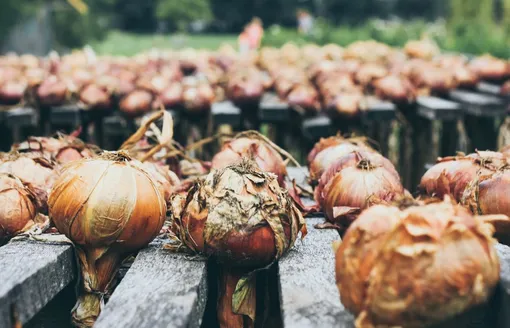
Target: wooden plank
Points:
(21, 116)
(317, 127)
(68, 115)
(162, 289)
(31, 275)
(434, 108)
(479, 104)
(492, 89)
(226, 112)
(379, 110)
(503, 303)
(273, 110)
(309, 296)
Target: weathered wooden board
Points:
(226, 112)
(161, 289)
(273, 110)
(31, 274)
(434, 108)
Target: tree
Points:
(179, 13)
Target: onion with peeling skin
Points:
(18, 209)
(33, 169)
(451, 175)
(136, 103)
(108, 207)
(96, 97)
(242, 217)
(415, 266)
(52, 91)
(357, 187)
(322, 144)
(246, 146)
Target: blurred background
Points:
(125, 27)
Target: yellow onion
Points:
(108, 207)
(18, 209)
(451, 175)
(416, 266)
(357, 187)
(329, 155)
(32, 169)
(251, 145)
(240, 216)
(351, 160)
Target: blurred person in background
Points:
(255, 32)
(305, 22)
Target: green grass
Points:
(128, 44)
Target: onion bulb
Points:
(254, 146)
(356, 188)
(241, 216)
(108, 207)
(329, 155)
(351, 160)
(416, 266)
(32, 169)
(451, 175)
(18, 209)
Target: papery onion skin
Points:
(489, 194)
(328, 156)
(450, 176)
(108, 207)
(216, 224)
(18, 209)
(265, 156)
(322, 144)
(359, 187)
(421, 266)
(351, 160)
(32, 169)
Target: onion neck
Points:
(98, 267)
(365, 164)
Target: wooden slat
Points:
(31, 274)
(434, 108)
(226, 112)
(379, 110)
(161, 289)
(503, 304)
(273, 110)
(65, 115)
(317, 127)
(479, 104)
(18, 118)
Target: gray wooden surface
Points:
(161, 289)
(31, 274)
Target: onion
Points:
(136, 103)
(356, 188)
(18, 209)
(242, 217)
(415, 267)
(11, 92)
(32, 169)
(351, 160)
(505, 89)
(322, 144)
(95, 97)
(109, 207)
(52, 91)
(172, 96)
(451, 175)
(395, 88)
(329, 155)
(251, 145)
(166, 180)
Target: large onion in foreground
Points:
(415, 267)
(108, 207)
(242, 217)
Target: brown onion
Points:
(18, 209)
(250, 145)
(11, 92)
(322, 144)
(136, 103)
(166, 180)
(242, 217)
(52, 91)
(451, 175)
(356, 188)
(172, 96)
(351, 160)
(329, 155)
(395, 88)
(95, 97)
(109, 207)
(32, 169)
(415, 267)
